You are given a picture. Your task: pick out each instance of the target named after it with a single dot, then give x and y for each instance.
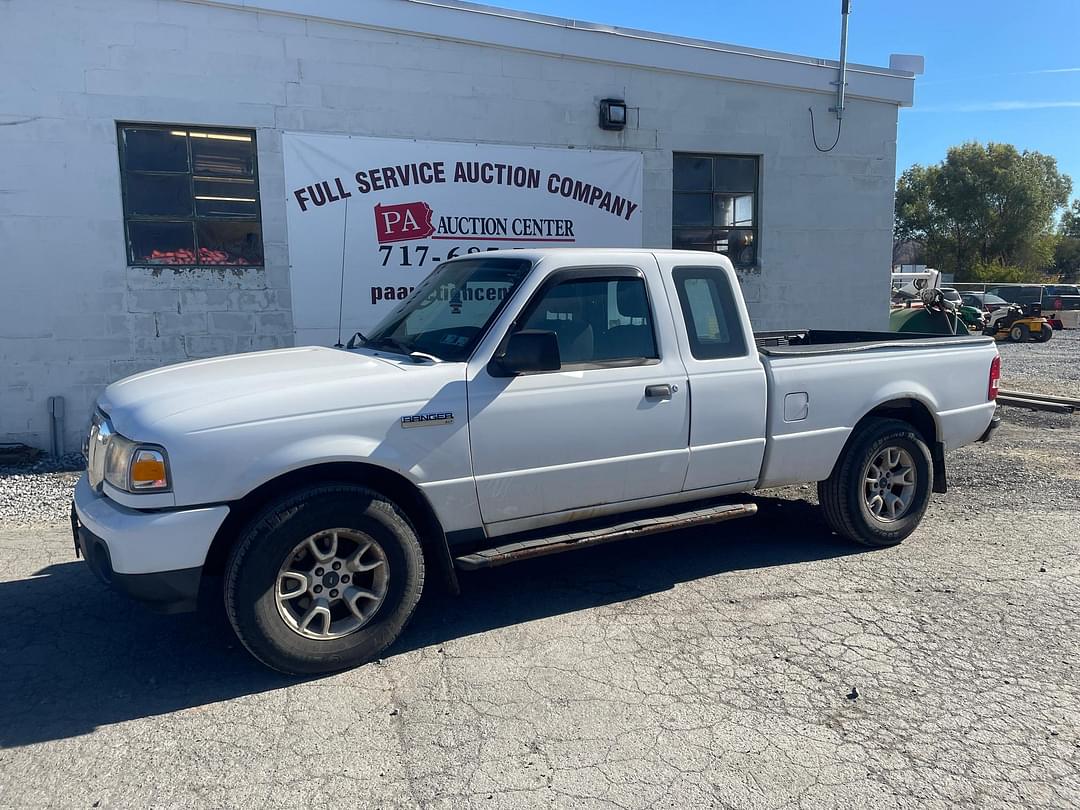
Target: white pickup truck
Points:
(519, 403)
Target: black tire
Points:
(843, 495)
(251, 578)
(1019, 333)
(1046, 331)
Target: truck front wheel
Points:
(324, 580)
(881, 485)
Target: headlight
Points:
(134, 467)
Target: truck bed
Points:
(822, 382)
(812, 342)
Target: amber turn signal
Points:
(148, 470)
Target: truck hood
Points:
(246, 387)
(232, 423)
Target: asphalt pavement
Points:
(764, 663)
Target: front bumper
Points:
(153, 556)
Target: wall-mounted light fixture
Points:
(612, 114)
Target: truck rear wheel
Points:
(324, 580)
(880, 487)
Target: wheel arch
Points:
(390, 483)
(920, 416)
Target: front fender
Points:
(316, 450)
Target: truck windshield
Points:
(448, 313)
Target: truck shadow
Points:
(783, 532)
(76, 656)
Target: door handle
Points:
(658, 391)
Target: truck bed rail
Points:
(804, 342)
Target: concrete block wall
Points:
(74, 317)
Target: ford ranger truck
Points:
(519, 403)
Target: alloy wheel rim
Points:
(889, 483)
(332, 584)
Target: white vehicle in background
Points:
(519, 403)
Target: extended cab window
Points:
(708, 307)
(597, 320)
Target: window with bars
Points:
(191, 196)
(714, 205)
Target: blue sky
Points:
(995, 70)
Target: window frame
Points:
(726, 293)
(755, 228)
(590, 273)
(194, 219)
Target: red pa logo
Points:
(399, 223)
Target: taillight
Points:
(995, 379)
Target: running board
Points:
(558, 543)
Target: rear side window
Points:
(712, 319)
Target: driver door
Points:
(610, 426)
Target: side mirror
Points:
(526, 351)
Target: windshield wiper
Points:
(352, 344)
(397, 346)
(391, 343)
(421, 356)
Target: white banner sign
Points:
(369, 218)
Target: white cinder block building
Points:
(143, 194)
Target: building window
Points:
(714, 205)
(191, 196)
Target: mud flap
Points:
(937, 453)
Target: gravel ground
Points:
(39, 494)
(1043, 368)
(760, 664)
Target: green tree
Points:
(1070, 220)
(1067, 249)
(1004, 273)
(1067, 258)
(983, 206)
